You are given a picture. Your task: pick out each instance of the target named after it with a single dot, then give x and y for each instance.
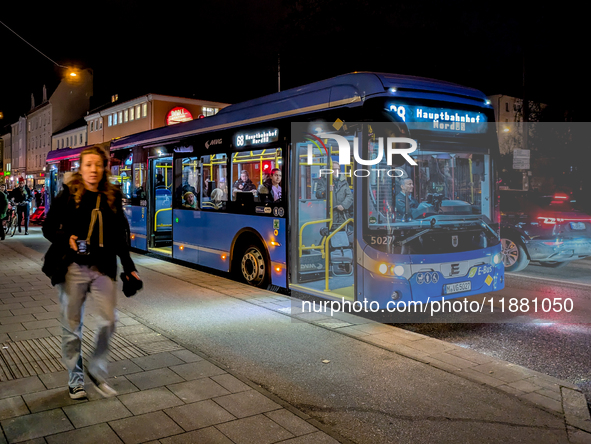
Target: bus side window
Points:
(186, 194)
(214, 194)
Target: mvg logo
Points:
(345, 149)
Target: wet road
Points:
(560, 349)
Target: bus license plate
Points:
(458, 287)
(577, 225)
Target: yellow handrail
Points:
(156, 218)
(313, 247)
(327, 255)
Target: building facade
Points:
(68, 103)
(144, 113)
(19, 150)
(5, 174)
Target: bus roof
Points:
(347, 90)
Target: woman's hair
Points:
(105, 187)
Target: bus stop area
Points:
(198, 358)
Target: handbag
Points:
(131, 285)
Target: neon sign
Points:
(178, 115)
(439, 119)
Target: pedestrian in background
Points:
(22, 196)
(3, 209)
(87, 230)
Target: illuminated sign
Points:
(256, 138)
(178, 115)
(439, 119)
(183, 149)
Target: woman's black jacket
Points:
(58, 227)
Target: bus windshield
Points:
(446, 191)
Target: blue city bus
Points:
(309, 189)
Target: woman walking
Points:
(87, 229)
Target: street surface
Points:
(557, 349)
(367, 393)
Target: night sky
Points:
(228, 50)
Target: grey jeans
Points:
(80, 281)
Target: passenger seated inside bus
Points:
(189, 200)
(216, 201)
(270, 189)
(244, 184)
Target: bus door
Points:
(322, 235)
(161, 196)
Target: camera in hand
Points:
(82, 247)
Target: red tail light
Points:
(560, 196)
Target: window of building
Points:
(115, 119)
(144, 110)
(126, 115)
(507, 106)
(120, 116)
(131, 113)
(137, 112)
(100, 123)
(110, 121)
(209, 111)
(91, 126)
(80, 138)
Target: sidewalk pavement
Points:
(171, 392)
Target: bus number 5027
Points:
(382, 240)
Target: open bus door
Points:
(161, 198)
(323, 238)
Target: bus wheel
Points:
(253, 266)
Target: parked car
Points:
(548, 230)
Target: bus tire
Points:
(253, 267)
(514, 255)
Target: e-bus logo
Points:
(345, 149)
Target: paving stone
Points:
(26, 311)
(96, 434)
(314, 438)
(95, 412)
(291, 422)
(144, 428)
(199, 414)
(10, 407)
(41, 324)
(543, 401)
(197, 390)
(209, 435)
(187, 355)
(20, 386)
(231, 383)
(504, 371)
(54, 380)
(254, 430)
(246, 403)
(29, 334)
(36, 425)
(123, 367)
(194, 370)
(49, 399)
(157, 360)
(154, 378)
(150, 400)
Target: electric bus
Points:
(365, 186)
